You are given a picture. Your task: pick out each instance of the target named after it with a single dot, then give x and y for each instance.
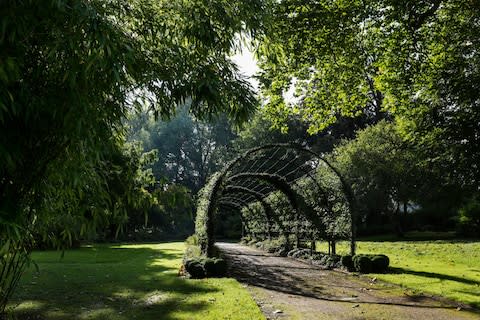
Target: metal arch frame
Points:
(261, 199)
(223, 178)
(239, 207)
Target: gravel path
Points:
(285, 288)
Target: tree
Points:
(262, 129)
(189, 149)
(414, 60)
(69, 72)
(385, 174)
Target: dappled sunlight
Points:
(119, 282)
(103, 314)
(29, 305)
(447, 268)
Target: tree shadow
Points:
(311, 282)
(434, 275)
(109, 282)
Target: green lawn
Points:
(126, 282)
(446, 268)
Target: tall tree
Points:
(189, 149)
(415, 60)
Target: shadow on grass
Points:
(105, 282)
(416, 236)
(434, 275)
(276, 274)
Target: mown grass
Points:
(120, 282)
(446, 268)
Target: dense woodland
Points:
(114, 114)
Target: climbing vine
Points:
(282, 191)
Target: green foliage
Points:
(189, 149)
(14, 257)
(192, 240)
(202, 267)
(366, 263)
(347, 262)
(362, 263)
(203, 221)
(385, 174)
(469, 217)
(216, 268)
(280, 247)
(70, 72)
(195, 268)
(380, 263)
(171, 214)
(413, 61)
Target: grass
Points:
(446, 268)
(120, 282)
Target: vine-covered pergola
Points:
(273, 170)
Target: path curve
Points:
(286, 288)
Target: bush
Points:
(366, 263)
(279, 247)
(380, 263)
(191, 252)
(202, 267)
(347, 262)
(362, 263)
(469, 218)
(195, 268)
(301, 254)
(246, 240)
(192, 240)
(332, 261)
(220, 268)
(292, 252)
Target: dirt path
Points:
(285, 288)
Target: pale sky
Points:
(247, 65)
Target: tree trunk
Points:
(397, 221)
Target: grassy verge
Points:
(446, 268)
(126, 282)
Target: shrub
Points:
(220, 268)
(366, 263)
(191, 252)
(326, 260)
(246, 240)
(362, 263)
(209, 267)
(469, 218)
(318, 256)
(292, 252)
(380, 263)
(332, 261)
(278, 246)
(347, 262)
(301, 254)
(202, 267)
(192, 240)
(195, 268)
